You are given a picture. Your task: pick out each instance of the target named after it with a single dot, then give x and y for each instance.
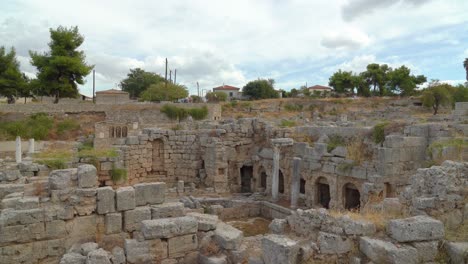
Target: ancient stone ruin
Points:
(243, 191)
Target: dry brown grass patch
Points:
(377, 217)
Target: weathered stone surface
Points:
(125, 198)
(169, 227)
(417, 228)
(98, 256)
(87, 176)
(113, 223)
(73, 258)
(133, 218)
(86, 248)
(457, 251)
(148, 251)
(206, 222)
(279, 250)
(22, 217)
(178, 246)
(202, 259)
(278, 226)
(105, 200)
(62, 179)
(6, 189)
(333, 244)
(427, 250)
(380, 251)
(228, 237)
(150, 193)
(118, 256)
(356, 227)
(167, 210)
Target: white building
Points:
(231, 91)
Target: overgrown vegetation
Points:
(436, 148)
(287, 123)
(293, 107)
(378, 133)
(55, 159)
(358, 151)
(178, 113)
(118, 174)
(335, 141)
(67, 125)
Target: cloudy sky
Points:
(231, 42)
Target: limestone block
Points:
(150, 193)
(85, 203)
(87, 176)
(180, 245)
(118, 256)
(26, 203)
(86, 248)
(73, 258)
(133, 218)
(228, 237)
(206, 222)
(125, 198)
(55, 229)
(105, 200)
(333, 244)
(62, 179)
(380, 251)
(6, 189)
(221, 259)
(165, 210)
(169, 227)
(278, 226)
(417, 228)
(457, 251)
(427, 251)
(392, 206)
(148, 251)
(279, 250)
(113, 222)
(340, 151)
(22, 217)
(357, 227)
(98, 256)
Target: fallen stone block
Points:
(133, 218)
(380, 251)
(87, 176)
(166, 210)
(279, 249)
(206, 222)
(417, 228)
(125, 198)
(105, 200)
(228, 237)
(333, 244)
(148, 251)
(356, 227)
(169, 227)
(150, 193)
(180, 245)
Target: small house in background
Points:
(112, 96)
(231, 91)
(319, 90)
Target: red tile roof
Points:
(112, 91)
(319, 87)
(225, 87)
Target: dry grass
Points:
(358, 151)
(459, 234)
(252, 227)
(303, 137)
(377, 217)
(211, 249)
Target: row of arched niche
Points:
(118, 131)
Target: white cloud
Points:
(349, 38)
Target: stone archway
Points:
(323, 192)
(352, 197)
(246, 173)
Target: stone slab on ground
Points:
(228, 237)
(169, 227)
(333, 244)
(279, 249)
(380, 251)
(417, 228)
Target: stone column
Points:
(31, 146)
(295, 182)
(18, 149)
(275, 174)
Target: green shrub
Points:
(97, 153)
(293, 107)
(118, 174)
(378, 133)
(67, 125)
(198, 113)
(178, 113)
(54, 164)
(435, 149)
(335, 141)
(287, 123)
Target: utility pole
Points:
(175, 76)
(165, 76)
(198, 90)
(94, 86)
(170, 76)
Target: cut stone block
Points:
(356, 227)
(380, 251)
(61, 179)
(228, 237)
(105, 200)
(133, 218)
(113, 223)
(180, 245)
(166, 210)
(279, 249)
(150, 193)
(417, 228)
(169, 227)
(278, 226)
(457, 251)
(125, 198)
(148, 251)
(427, 251)
(87, 176)
(206, 222)
(333, 244)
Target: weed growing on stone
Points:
(335, 141)
(287, 123)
